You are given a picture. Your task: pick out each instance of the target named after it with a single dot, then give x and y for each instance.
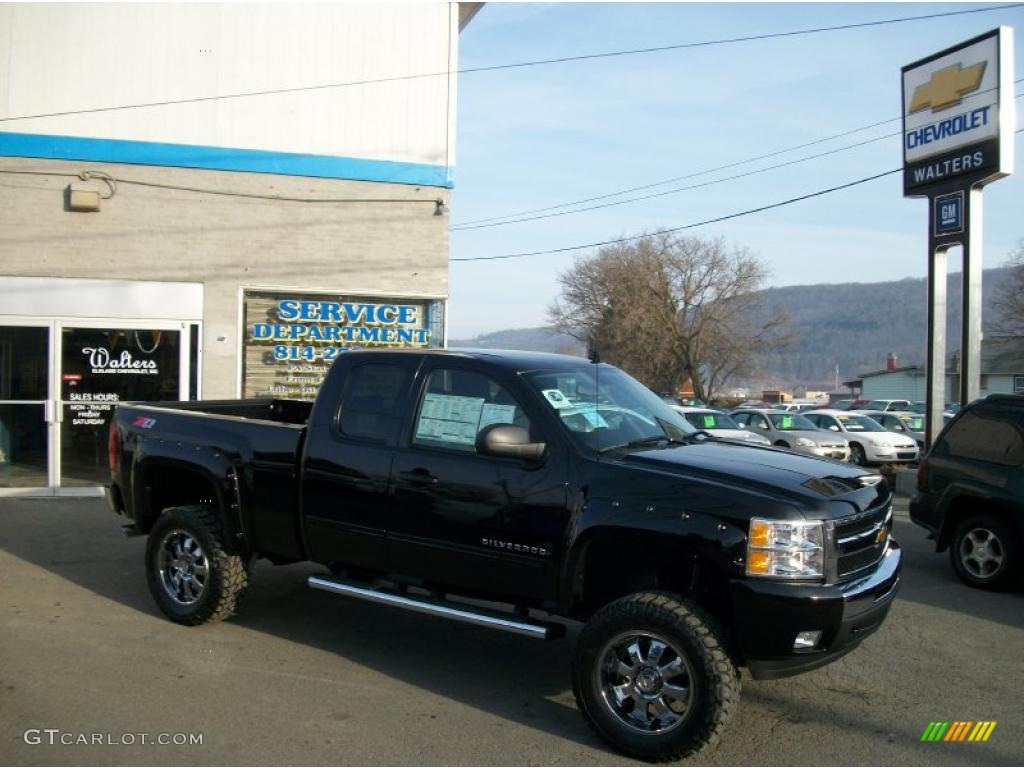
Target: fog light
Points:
(806, 641)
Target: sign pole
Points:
(970, 301)
(934, 367)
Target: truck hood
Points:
(768, 470)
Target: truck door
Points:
(464, 519)
(347, 461)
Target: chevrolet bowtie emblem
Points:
(947, 87)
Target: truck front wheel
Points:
(652, 677)
(192, 579)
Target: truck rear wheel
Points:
(652, 677)
(192, 579)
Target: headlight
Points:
(785, 549)
(805, 443)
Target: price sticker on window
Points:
(787, 422)
(709, 421)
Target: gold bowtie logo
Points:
(947, 87)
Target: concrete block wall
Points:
(224, 241)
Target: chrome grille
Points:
(855, 540)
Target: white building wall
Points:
(67, 57)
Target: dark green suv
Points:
(971, 491)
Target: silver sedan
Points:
(792, 430)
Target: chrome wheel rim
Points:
(182, 567)
(646, 682)
(981, 553)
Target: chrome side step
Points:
(519, 625)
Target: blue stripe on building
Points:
(221, 159)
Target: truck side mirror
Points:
(510, 441)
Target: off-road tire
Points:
(228, 575)
(1009, 547)
(715, 682)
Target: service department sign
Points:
(958, 114)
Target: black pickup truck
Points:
(547, 486)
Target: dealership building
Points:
(211, 201)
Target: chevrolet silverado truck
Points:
(551, 488)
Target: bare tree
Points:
(1008, 298)
(670, 309)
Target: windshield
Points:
(913, 423)
(604, 408)
(790, 422)
(860, 424)
(710, 420)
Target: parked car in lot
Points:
(847, 405)
(431, 480)
(883, 405)
(792, 430)
(902, 423)
(719, 425)
(682, 402)
(870, 442)
(970, 492)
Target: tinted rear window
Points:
(370, 407)
(986, 433)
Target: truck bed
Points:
(265, 409)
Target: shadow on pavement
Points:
(515, 678)
(928, 579)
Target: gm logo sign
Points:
(949, 214)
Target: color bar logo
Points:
(959, 730)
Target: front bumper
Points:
(839, 453)
(891, 455)
(769, 614)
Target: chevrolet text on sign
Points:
(958, 113)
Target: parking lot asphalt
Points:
(304, 677)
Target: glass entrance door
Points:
(25, 407)
(100, 367)
(59, 383)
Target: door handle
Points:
(419, 476)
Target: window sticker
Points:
(497, 414)
(557, 399)
(787, 422)
(589, 412)
(449, 418)
(709, 421)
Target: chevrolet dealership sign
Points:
(958, 114)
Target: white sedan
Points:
(719, 424)
(870, 442)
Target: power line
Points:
(516, 65)
(676, 190)
(738, 214)
(89, 175)
(529, 215)
(685, 226)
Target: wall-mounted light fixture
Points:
(442, 207)
(84, 197)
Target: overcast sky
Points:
(542, 136)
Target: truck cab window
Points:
(456, 405)
(369, 409)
